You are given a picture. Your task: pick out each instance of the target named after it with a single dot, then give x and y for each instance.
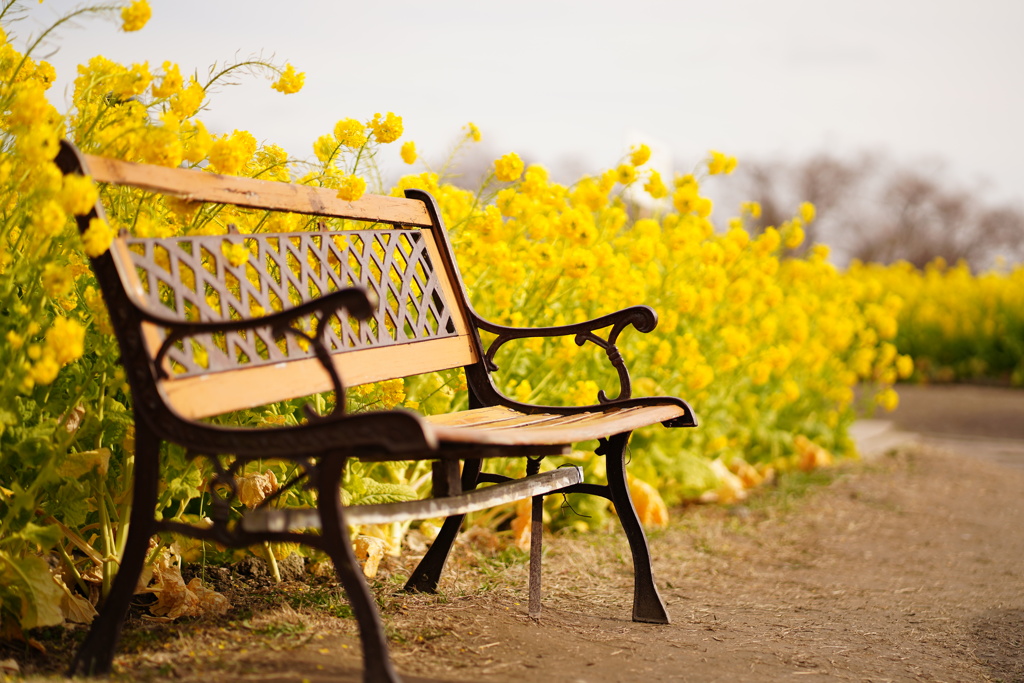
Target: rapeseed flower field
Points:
(767, 345)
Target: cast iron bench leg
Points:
(377, 667)
(96, 654)
(647, 604)
(427, 574)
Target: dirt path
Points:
(908, 567)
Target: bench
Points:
(371, 292)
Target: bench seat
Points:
(504, 426)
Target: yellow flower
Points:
(97, 238)
(701, 377)
(473, 132)
(523, 391)
(29, 104)
(230, 153)
(50, 218)
(56, 280)
(888, 399)
(44, 370)
(236, 253)
(350, 133)
(290, 81)
(508, 167)
(15, 340)
(703, 207)
(625, 174)
(197, 141)
(170, 83)
(640, 155)
(351, 188)
(721, 163)
(752, 209)
(794, 234)
(579, 262)
(135, 15)
(655, 186)
(409, 152)
(38, 144)
(807, 212)
(65, 341)
(760, 372)
(386, 128)
(186, 103)
(325, 147)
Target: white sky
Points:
(554, 79)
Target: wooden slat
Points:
(201, 186)
(583, 427)
(220, 392)
(474, 417)
(471, 501)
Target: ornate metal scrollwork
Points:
(642, 318)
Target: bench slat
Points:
(556, 430)
(201, 186)
(278, 520)
(215, 393)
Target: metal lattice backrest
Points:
(234, 277)
(401, 254)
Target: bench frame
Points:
(168, 408)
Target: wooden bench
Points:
(337, 306)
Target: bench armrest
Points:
(355, 300)
(643, 318)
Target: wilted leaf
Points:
(79, 464)
(730, 487)
(77, 609)
(747, 473)
(253, 489)
(811, 455)
(174, 599)
(74, 419)
(74, 607)
(370, 551)
(521, 525)
(650, 506)
(210, 601)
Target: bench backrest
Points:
(395, 247)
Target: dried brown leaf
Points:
(253, 489)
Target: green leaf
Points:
(376, 492)
(43, 537)
(27, 582)
(70, 504)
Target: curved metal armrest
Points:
(355, 300)
(643, 318)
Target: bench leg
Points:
(337, 543)
(96, 655)
(647, 604)
(536, 551)
(427, 574)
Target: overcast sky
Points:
(555, 80)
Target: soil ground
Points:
(907, 566)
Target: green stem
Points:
(66, 559)
(275, 571)
(109, 565)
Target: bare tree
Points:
(871, 209)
